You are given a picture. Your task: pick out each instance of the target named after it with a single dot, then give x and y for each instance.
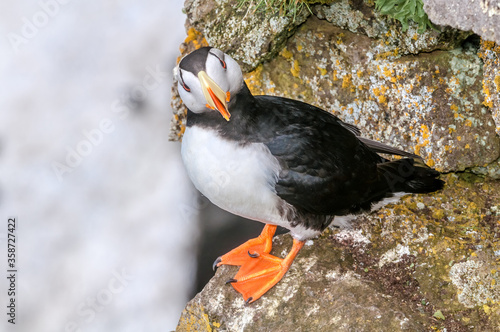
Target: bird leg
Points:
(261, 273)
(259, 270)
(250, 249)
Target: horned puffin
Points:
(282, 162)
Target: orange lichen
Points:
(195, 37)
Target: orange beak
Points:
(215, 96)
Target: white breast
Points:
(237, 178)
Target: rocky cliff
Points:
(430, 262)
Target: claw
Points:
(247, 301)
(230, 281)
(254, 255)
(217, 261)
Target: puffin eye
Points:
(223, 63)
(184, 85)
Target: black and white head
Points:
(207, 80)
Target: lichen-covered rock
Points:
(491, 170)
(429, 103)
(316, 295)
(480, 16)
(394, 271)
(490, 54)
(429, 262)
(249, 36)
(361, 17)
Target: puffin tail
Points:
(409, 175)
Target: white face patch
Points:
(221, 68)
(193, 99)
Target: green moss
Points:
(405, 10)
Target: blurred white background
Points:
(105, 234)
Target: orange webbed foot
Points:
(259, 270)
(259, 274)
(249, 250)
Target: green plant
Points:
(404, 10)
(290, 8)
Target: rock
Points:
(429, 103)
(362, 18)
(429, 262)
(481, 16)
(393, 271)
(490, 54)
(316, 295)
(491, 170)
(249, 36)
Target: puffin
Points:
(282, 162)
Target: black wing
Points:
(326, 169)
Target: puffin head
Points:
(207, 80)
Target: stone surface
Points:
(491, 170)
(392, 272)
(490, 54)
(430, 262)
(480, 16)
(249, 36)
(362, 18)
(316, 295)
(430, 104)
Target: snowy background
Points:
(105, 227)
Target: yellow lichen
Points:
(424, 130)
(346, 81)
(335, 78)
(497, 82)
(253, 80)
(322, 71)
(295, 68)
(488, 102)
(286, 53)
